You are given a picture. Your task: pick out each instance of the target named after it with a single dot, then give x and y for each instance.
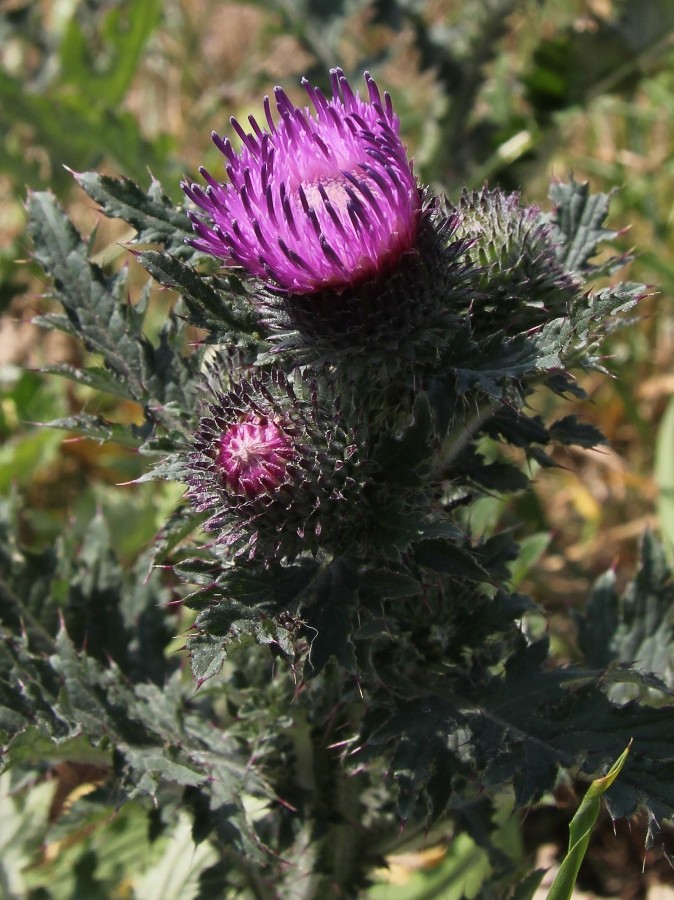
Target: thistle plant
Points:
(369, 351)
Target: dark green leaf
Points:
(444, 555)
(98, 429)
(541, 719)
(570, 430)
(380, 584)
(329, 617)
(96, 305)
(637, 627)
(152, 214)
(207, 655)
(216, 308)
(579, 222)
(93, 377)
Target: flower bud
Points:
(275, 469)
(518, 279)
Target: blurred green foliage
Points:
(62, 89)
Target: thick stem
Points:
(458, 438)
(340, 857)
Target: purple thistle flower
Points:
(326, 198)
(405, 316)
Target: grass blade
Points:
(580, 829)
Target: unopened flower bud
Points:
(275, 470)
(518, 279)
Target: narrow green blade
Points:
(580, 829)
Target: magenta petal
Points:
(253, 456)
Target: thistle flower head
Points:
(405, 316)
(519, 280)
(324, 198)
(274, 469)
